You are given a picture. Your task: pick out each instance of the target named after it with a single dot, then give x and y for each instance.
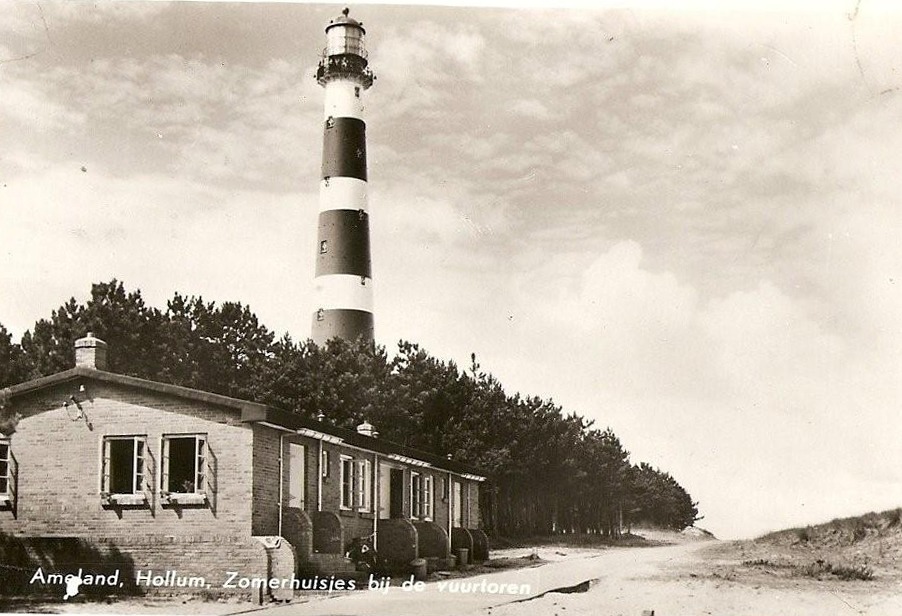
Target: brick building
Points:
(101, 469)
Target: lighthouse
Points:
(344, 278)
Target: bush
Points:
(843, 572)
(855, 572)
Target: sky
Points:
(682, 223)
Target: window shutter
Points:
(200, 484)
(105, 472)
(139, 466)
(164, 463)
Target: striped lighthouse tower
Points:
(344, 283)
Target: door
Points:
(296, 476)
(396, 498)
(384, 491)
(457, 496)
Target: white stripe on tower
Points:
(344, 286)
(343, 194)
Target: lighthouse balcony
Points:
(344, 66)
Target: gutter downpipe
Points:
(281, 477)
(319, 478)
(450, 487)
(375, 488)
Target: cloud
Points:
(69, 228)
(531, 108)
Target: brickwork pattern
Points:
(480, 551)
(297, 528)
(461, 538)
(328, 534)
(432, 540)
(60, 465)
(265, 464)
(397, 543)
(138, 559)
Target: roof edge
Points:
(131, 381)
(295, 422)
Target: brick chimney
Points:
(90, 352)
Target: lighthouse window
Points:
(324, 247)
(320, 315)
(330, 122)
(357, 91)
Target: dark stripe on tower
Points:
(344, 148)
(346, 234)
(344, 323)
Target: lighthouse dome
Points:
(345, 20)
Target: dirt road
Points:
(612, 582)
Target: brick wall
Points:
(355, 523)
(265, 513)
(59, 518)
(60, 464)
(138, 560)
(397, 544)
(432, 540)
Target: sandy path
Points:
(628, 581)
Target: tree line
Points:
(550, 470)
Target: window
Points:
(347, 482)
(324, 462)
(323, 247)
(458, 504)
(426, 506)
(416, 485)
(443, 486)
(364, 485)
(421, 491)
(184, 464)
(4, 470)
(123, 467)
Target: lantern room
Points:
(344, 35)
(345, 54)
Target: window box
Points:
(177, 498)
(123, 500)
